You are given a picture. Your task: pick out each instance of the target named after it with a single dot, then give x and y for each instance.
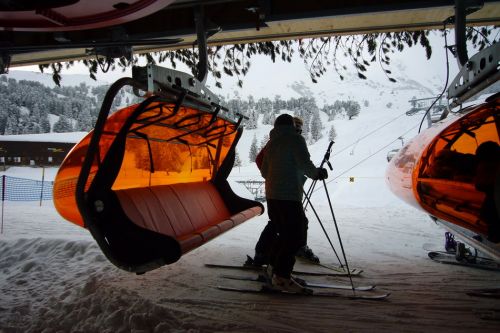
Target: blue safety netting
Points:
(22, 189)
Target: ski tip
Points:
(379, 297)
(489, 293)
(370, 288)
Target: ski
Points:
(475, 262)
(354, 271)
(261, 278)
(487, 292)
(298, 272)
(429, 247)
(266, 290)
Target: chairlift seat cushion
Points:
(191, 213)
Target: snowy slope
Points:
(362, 143)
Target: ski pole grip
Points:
(327, 155)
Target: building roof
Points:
(71, 137)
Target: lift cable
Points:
(366, 158)
(447, 78)
(368, 134)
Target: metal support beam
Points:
(460, 39)
(201, 35)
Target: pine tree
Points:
(67, 108)
(11, 125)
(251, 102)
(268, 118)
(316, 127)
(4, 112)
(264, 141)
(45, 124)
(352, 109)
(251, 123)
(253, 149)
(62, 125)
(332, 135)
(237, 160)
(84, 120)
(24, 124)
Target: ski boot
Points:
(465, 254)
(288, 285)
(450, 244)
(305, 252)
(258, 260)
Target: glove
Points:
(322, 174)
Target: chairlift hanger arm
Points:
(201, 40)
(462, 9)
(478, 72)
(169, 83)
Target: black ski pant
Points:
(266, 239)
(289, 221)
(489, 214)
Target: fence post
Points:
(3, 199)
(41, 191)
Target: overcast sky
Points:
(264, 74)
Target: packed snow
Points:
(54, 277)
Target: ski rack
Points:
(479, 72)
(169, 83)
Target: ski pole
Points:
(340, 239)
(326, 159)
(324, 230)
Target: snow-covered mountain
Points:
(68, 80)
(362, 143)
(381, 125)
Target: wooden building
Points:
(48, 149)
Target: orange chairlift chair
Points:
(447, 174)
(438, 171)
(150, 181)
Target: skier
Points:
(284, 165)
(263, 246)
(487, 173)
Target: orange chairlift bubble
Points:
(441, 172)
(150, 181)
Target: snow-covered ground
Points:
(54, 278)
